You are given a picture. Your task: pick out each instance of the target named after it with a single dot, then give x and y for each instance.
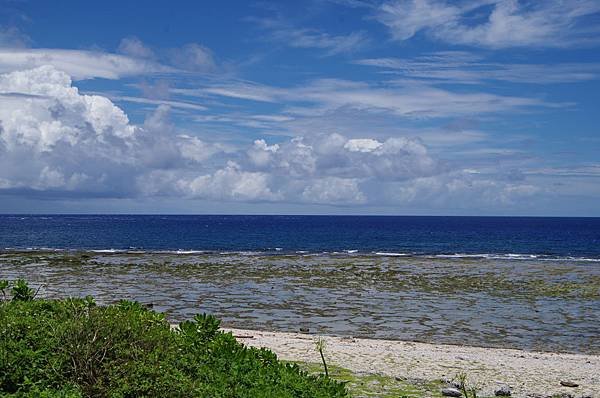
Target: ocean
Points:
(527, 283)
(516, 237)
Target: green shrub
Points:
(74, 348)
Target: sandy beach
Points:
(528, 374)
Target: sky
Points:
(405, 107)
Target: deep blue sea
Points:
(508, 237)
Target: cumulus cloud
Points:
(461, 189)
(57, 141)
(230, 183)
(334, 190)
(507, 23)
(337, 156)
(51, 136)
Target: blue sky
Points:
(319, 107)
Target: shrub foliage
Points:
(75, 348)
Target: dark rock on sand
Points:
(451, 392)
(503, 391)
(568, 384)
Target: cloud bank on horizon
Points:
(380, 107)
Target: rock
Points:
(304, 330)
(568, 384)
(503, 391)
(561, 395)
(451, 392)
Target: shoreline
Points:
(283, 252)
(527, 373)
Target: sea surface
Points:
(569, 238)
(527, 283)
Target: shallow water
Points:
(520, 303)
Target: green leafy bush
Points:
(74, 348)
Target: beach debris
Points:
(451, 392)
(503, 391)
(567, 383)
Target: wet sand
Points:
(526, 373)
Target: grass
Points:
(376, 385)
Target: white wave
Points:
(392, 254)
(189, 251)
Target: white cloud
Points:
(54, 139)
(310, 38)
(229, 183)
(362, 145)
(334, 190)
(510, 23)
(406, 18)
(409, 100)
(134, 47)
(193, 57)
(260, 154)
(283, 32)
(462, 189)
(79, 64)
(51, 136)
(462, 67)
(336, 156)
(171, 103)
(195, 149)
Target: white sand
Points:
(527, 373)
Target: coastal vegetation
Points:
(75, 348)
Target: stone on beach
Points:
(567, 383)
(451, 392)
(503, 391)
